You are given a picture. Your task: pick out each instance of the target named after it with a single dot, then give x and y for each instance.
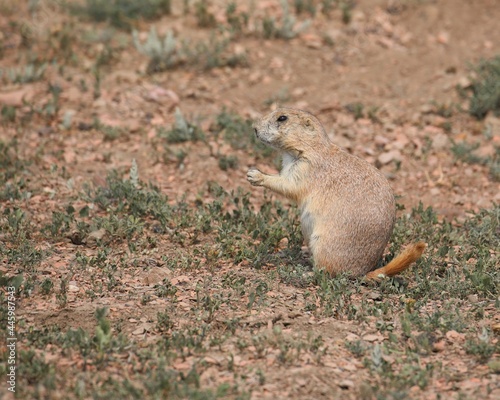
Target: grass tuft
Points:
(123, 13)
(485, 88)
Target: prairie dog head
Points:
(291, 130)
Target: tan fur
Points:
(347, 206)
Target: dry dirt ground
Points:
(186, 317)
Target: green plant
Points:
(327, 6)
(51, 108)
(8, 114)
(122, 13)
(10, 163)
(27, 74)
(237, 21)
(165, 289)
(305, 6)
(356, 109)
(182, 130)
(163, 53)
(61, 222)
(357, 348)
(164, 321)
(205, 18)
(346, 7)
(485, 88)
(481, 347)
(284, 29)
(214, 53)
(228, 162)
(465, 152)
(167, 54)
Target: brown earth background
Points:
(386, 85)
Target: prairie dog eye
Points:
(282, 118)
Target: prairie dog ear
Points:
(308, 123)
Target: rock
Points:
(373, 337)
(138, 331)
(299, 92)
(443, 37)
(426, 109)
(72, 287)
(438, 347)
(143, 328)
(473, 298)
(464, 82)
(486, 151)
(492, 123)
(76, 237)
(312, 40)
(69, 156)
(124, 76)
(440, 141)
(277, 63)
(346, 384)
(99, 103)
(301, 382)
(381, 140)
(164, 97)
(96, 236)
(294, 314)
(374, 296)
(494, 365)
(454, 336)
(387, 157)
(399, 143)
(16, 98)
(351, 337)
(181, 279)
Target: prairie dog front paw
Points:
(255, 177)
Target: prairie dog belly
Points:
(306, 224)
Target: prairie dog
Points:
(347, 206)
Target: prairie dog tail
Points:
(411, 254)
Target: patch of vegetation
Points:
(8, 114)
(18, 246)
(123, 13)
(205, 18)
(458, 277)
(27, 74)
(237, 21)
(279, 98)
(163, 53)
(228, 162)
(214, 53)
(465, 152)
(286, 28)
(167, 53)
(182, 130)
(246, 235)
(482, 347)
(224, 226)
(12, 181)
(356, 109)
(346, 6)
(302, 6)
(485, 88)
